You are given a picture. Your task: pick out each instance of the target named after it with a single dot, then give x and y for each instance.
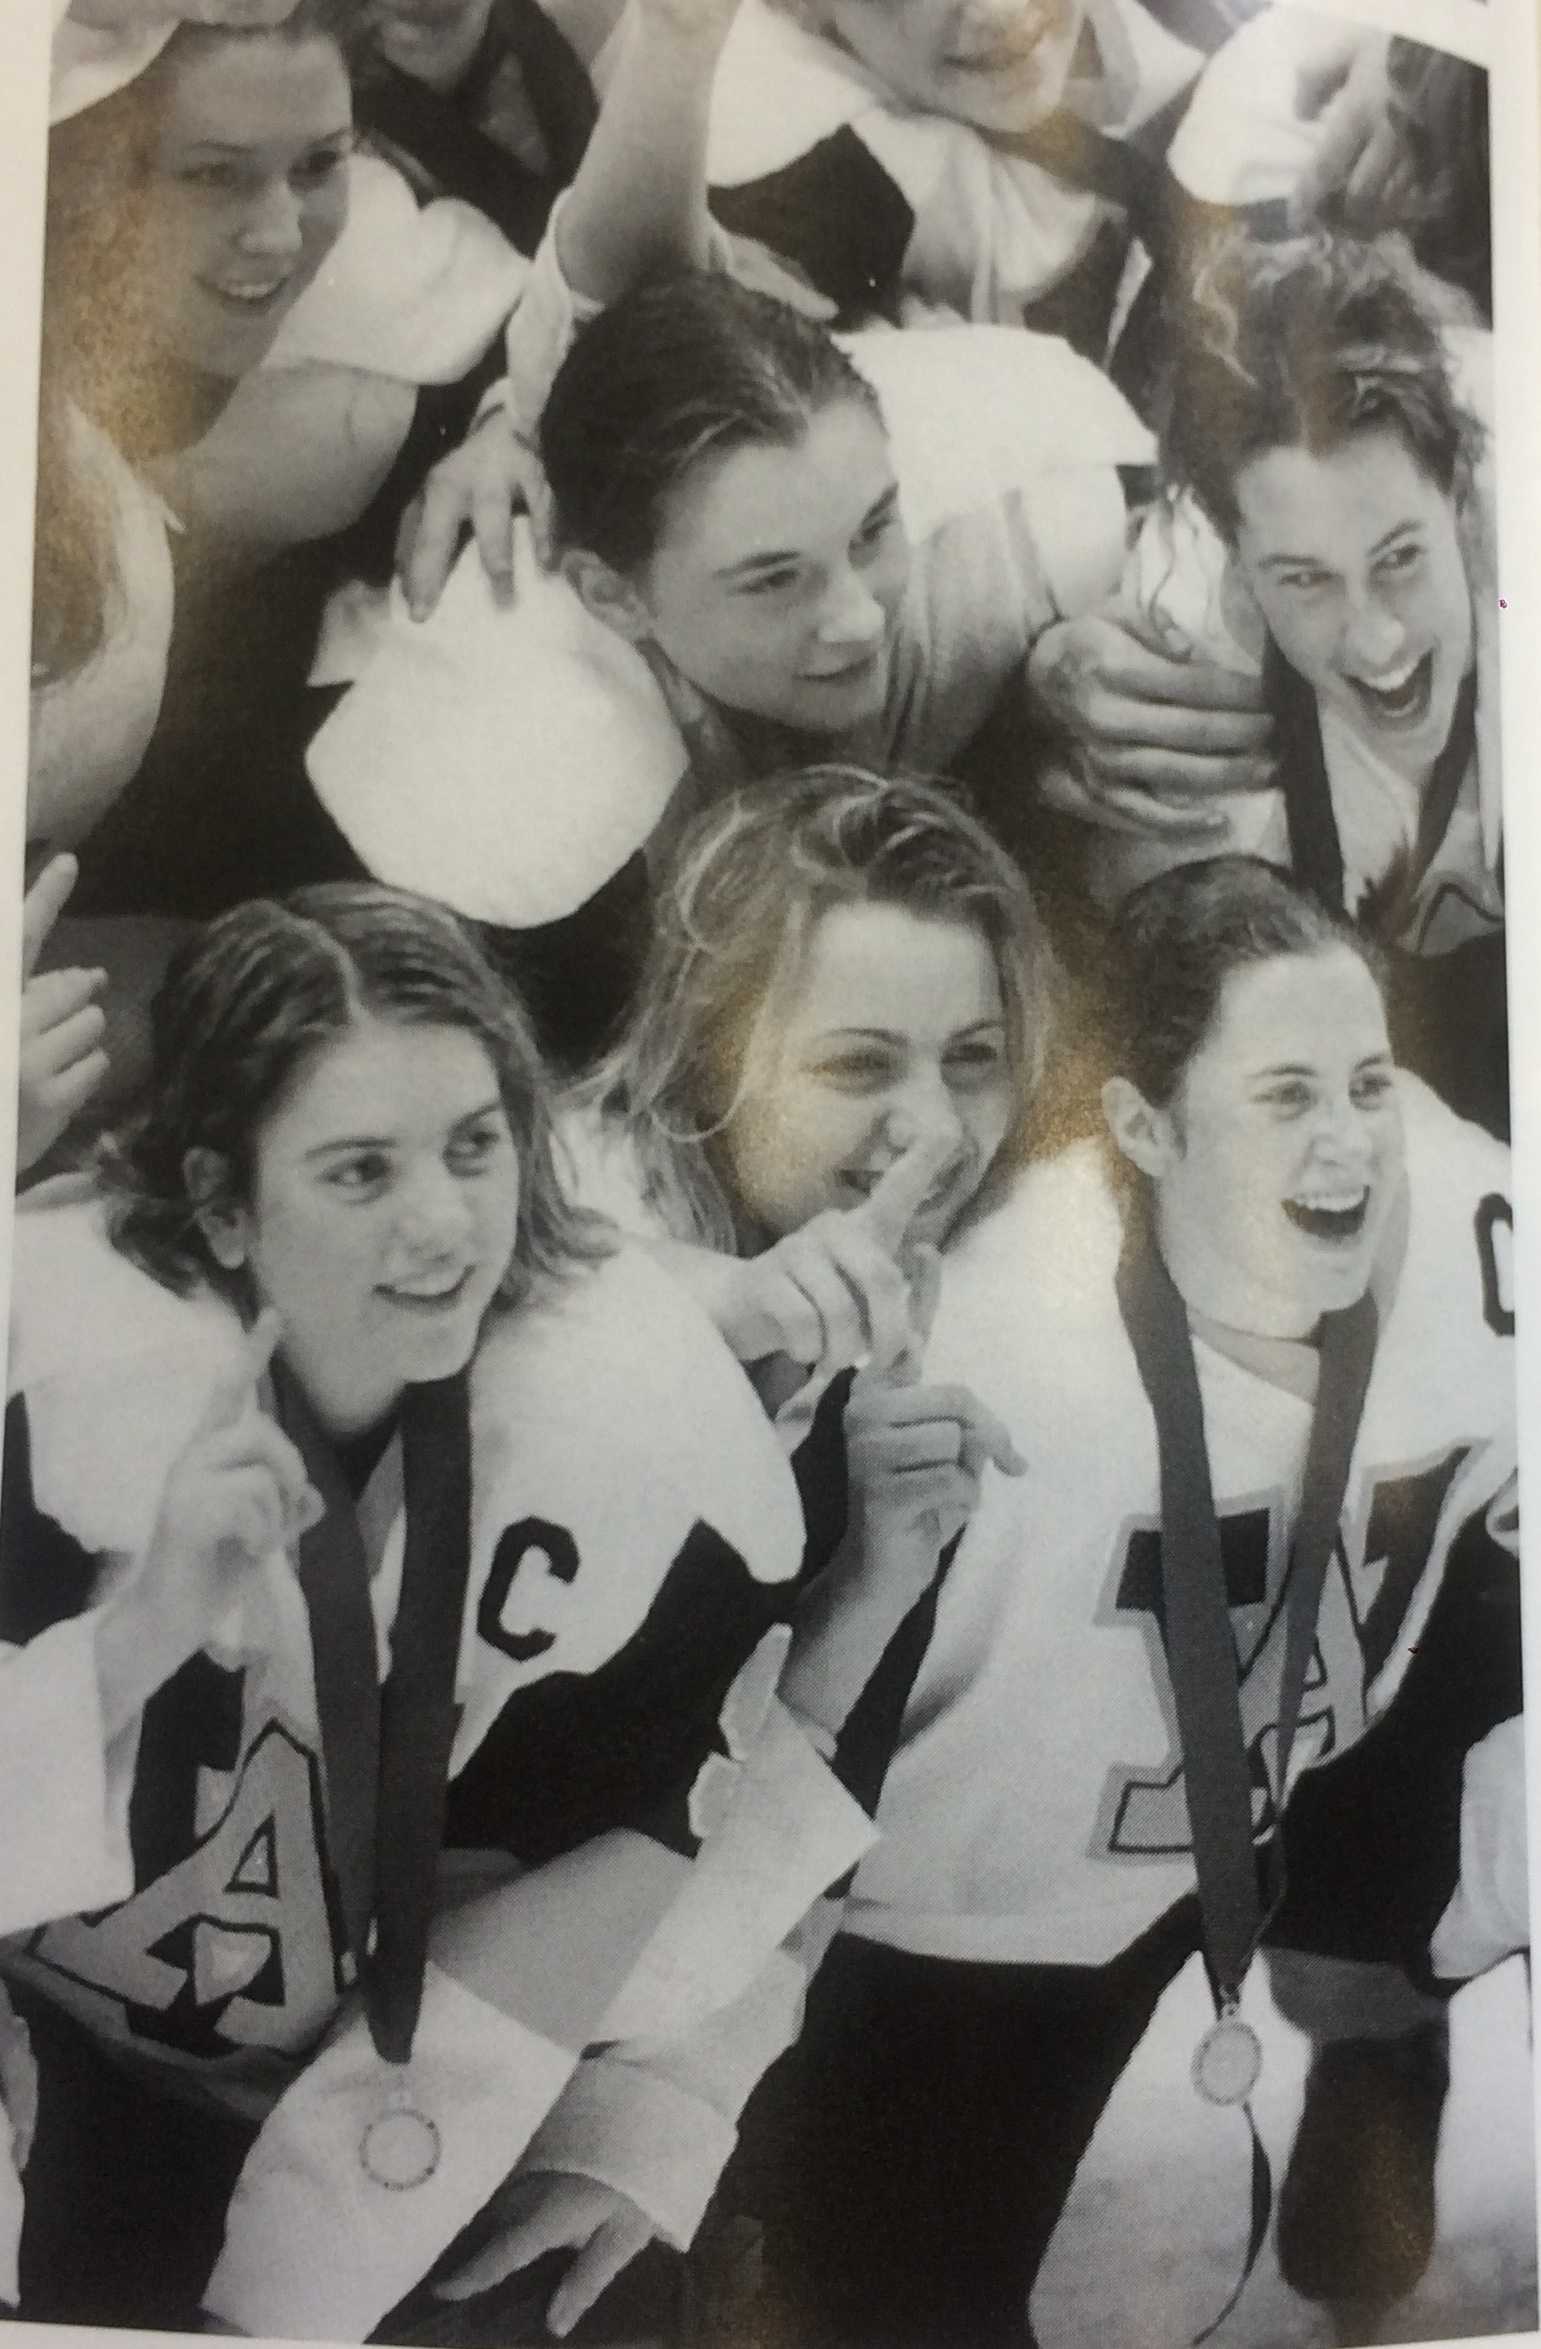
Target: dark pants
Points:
(927, 2131)
(126, 2188)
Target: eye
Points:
(854, 1072)
(1372, 1088)
(360, 1174)
(470, 1151)
(1303, 579)
(315, 169)
(220, 179)
(977, 1062)
(875, 530)
(1398, 561)
(767, 583)
(1290, 1097)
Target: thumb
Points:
(923, 1270)
(986, 1437)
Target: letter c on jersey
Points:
(552, 1543)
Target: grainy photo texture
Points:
(759, 1571)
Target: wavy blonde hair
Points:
(752, 879)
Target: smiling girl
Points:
(1037, 1884)
(768, 547)
(324, 1566)
(1315, 426)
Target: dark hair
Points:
(1177, 940)
(1302, 345)
(682, 368)
(244, 1009)
(750, 880)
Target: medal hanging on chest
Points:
(1202, 1664)
(386, 1750)
(1228, 2060)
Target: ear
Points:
(206, 1178)
(606, 593)
(1146, 1135)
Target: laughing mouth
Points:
(252, 298)
(1401, 699)
(1338, 1219)
(429, 1301)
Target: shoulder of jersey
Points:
(1035, 1273)
(1450, 1160)
(617, 1372)
(79, 1307)
(976, 413)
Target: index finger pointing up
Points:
(41, 908)
(915, 1173)
(235, 1390)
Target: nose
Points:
(1341, 1135)
(432, 1215)
(851, 616)
(1373, 634)
(272, 224)
(922, 1109)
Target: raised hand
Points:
(62, 1024)
(836, 1293)
(237, 1492)
(480, 486)
(555, 2212)
(916, 1456)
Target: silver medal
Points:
(1227, 2061)
(401, 2146)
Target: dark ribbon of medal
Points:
(1196, 1624)
(385, 1750)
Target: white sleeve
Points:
(1245, 138)
(18, 2114)
(1489, 1916)
(414, 291)
(319, 2248)
(541, 330)
(63, 1790)
(657, 2119)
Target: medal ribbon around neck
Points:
(386, 1751)
(1201, 1651)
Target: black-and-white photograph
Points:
(760, 1538)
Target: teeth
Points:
(1331, 1202)
(1394, 682)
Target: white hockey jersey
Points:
(620, 1647)
(1035, 1811)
